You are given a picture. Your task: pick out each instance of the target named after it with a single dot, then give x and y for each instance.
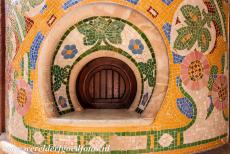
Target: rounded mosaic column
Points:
(177, 51)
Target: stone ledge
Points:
(102, 118)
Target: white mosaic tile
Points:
(38, 137)
(97, 143)
(165, 140)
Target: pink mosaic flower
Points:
(195, 71)
(220, 92)
(22, 97)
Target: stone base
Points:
(9, 148)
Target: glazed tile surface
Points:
(177, 50)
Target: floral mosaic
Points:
(101, 29)
(60, 76)
(101, 33)
(188, 35)
(193, 29)
(69, 51)
(136, 46)
(195, 71)
(220, 92)
(23, 96)
(194, 114)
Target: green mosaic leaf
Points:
(186, 38)
(204, 39)
(100, 29)
(93, 30)
(195, 30)
(208, 18)
(113, 32)
(34, 3)
(57, 85)
(192, 14)
(148, 70)
(90, 33)
(59, 75)
(209, 111)
(100, 24)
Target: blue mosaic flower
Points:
(62, 102)
(69, 51)
(136, 46)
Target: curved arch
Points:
(152, 33)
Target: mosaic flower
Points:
(195, 71)
(220, 92)
(69, 51)
(22, 97)
(136, 46)
(62, 102)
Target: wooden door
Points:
(106, 83)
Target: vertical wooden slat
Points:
(103, 84)
(2, 66)
(99, 88)
(97, 85)
(106, 83)
(110, 84)
(94, 87)
(122, 87)
(116, 85)
(119, 89)
(91, 88)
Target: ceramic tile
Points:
(176, 49)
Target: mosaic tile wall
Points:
(192, 115)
